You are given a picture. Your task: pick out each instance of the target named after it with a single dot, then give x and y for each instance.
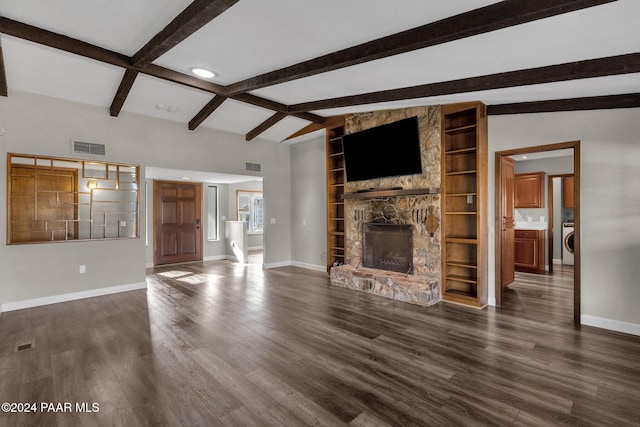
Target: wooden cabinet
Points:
(335, 202)
(568, 192)
(529, 250)
(464, 184)
(529, 190)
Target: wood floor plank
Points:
(292, 400)
(230, 344)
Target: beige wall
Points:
(308, 204)
(42, 125)
(610, 210)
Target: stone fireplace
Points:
(387, 246)
(412, 277)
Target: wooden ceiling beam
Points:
(190, 20)
(64, 43)
(276, 106)
(123, 91)
(591, 68)
(4, 90)
(265, 125)
(331, 122)
(78, 47)
(195, 16)
(607, 102)
(485, 19)
(206, 111)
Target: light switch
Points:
(82, 269)
(273, 220)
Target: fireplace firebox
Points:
(387, 246)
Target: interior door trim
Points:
(575, 145)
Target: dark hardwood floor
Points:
(219, 343)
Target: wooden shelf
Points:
(335, 181)
(451, 131)
(467, 172)
(460, 194)
(464, 175)
(461, 265)
(462, 279)
(461, 151)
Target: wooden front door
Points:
(177, 225)
(508, 223)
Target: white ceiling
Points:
(256, 36)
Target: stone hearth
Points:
(422, 287)
(420, 290)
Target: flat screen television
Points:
(391, 149)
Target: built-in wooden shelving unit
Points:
(335, 197)
(464, 177)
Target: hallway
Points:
(541, 297)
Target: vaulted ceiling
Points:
(284, 64)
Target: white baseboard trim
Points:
(54, 299)
(557, 261)
(149, 265)
(276, 264)
(612, 325)
(255, 248)
(214, 258)
(309, 266)
(491, 302)
(295, 264)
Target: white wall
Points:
(42, 125)
(610, 209)
(309, 209)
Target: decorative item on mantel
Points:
(432, 222)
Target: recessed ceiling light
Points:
(201, 72)
(160, 106)
(524, 157)
(184, 177)
(172, 108)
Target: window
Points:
(250, 210)
(52, 199)
(212, 212)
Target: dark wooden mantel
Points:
(390, 193)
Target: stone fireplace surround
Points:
(423, 286)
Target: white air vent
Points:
(81, 147)
(254, 167)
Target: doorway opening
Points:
(505, 220)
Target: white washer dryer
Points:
(567, 243)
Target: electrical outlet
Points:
(469, 199)
(82, 269)
(273, 220)
(123, 223)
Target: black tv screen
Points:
(388, 150)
